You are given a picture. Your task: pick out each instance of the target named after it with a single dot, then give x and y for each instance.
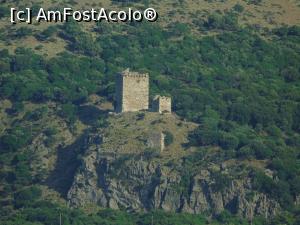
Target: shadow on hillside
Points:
(89, 114)
(66, 166)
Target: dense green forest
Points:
(242, 85)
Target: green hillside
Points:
(232, 68)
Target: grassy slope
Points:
(269, 14)
(128, 135)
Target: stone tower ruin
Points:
(132, 91)
(156, 140)
(161, 104)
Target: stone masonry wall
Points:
(156, 140)
(132, 91)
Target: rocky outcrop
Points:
(140, 185)
(118, 170)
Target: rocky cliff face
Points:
(114, 167)
(141, 182)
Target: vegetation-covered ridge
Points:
(259, 14)
(239, 83)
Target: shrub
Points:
(238, 8)
(50, 131)
(14, 139)
(47, 33)
(246, 152)
(16, 108)
(150, 153)
(261, 150)
(262, 182)
(23, 32)
(221, 181)
(68, 111)
(227, 140)
(4, 11)
(169, 138)
(140, 116)
(206, 133)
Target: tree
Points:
(227, 140)
(27, 197)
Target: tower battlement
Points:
(128, 73)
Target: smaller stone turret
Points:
(162, 104)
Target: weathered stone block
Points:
(156, 140)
